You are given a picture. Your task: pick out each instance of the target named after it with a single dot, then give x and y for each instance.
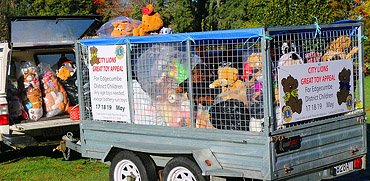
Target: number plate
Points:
(343, 168)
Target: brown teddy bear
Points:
(34, 96)
(94, 56)
(232, 88)
(123, 28)
(290, 86)
(151, 22)
(338, 48)
(344, 86)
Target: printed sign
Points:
(108, 83)
(314, 90)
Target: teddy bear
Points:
(35, 97)
(55, 98)
(53, 102)
(344, 85)
(94, 56)
(68, 78)
(174, 108)
(124, 28)
(151, 22)
(232, 87)
(290, 88)
(338, 48)
(252, 71)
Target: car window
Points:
(52, 59)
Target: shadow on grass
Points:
(10, 155)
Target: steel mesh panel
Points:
(303, 47)
(204, 88)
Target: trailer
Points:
(271, 103)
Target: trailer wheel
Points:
(181, 169)
(127, 165)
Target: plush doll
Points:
(338, 48)
(55, 97)
(33, 99)
(124, 28)
(67, 77)
(232, 88)
(151, 22)
(253, 74)
(174, 108)
(165, 31)
(313, 57)
(118, 27)
(203, 118)
(145, 111)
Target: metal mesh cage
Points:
(226, 84)
(309, 47)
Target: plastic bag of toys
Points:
(33, 99)
(159, 64)
(54, 95)
(118, 27)
(67, 76)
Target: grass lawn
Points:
(42, 164)
(367, 98)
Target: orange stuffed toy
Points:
(123, 28)
(232, 88)
(151, 22)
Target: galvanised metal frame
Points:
(210, 137)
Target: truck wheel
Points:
(181, 169)
(127, 165)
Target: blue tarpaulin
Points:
(181, 37)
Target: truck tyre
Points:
(182, 168)
(127, 164)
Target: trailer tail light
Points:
(4, 117)
(358, 163)
(287, 144)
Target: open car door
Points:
(33, 31)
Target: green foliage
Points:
(232, 14)
(62, 7)
(136, 13)
(289, 12)
(177, 14)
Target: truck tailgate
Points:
(43, 124)
(323, 146)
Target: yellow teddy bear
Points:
(151, 22)
(232, 88)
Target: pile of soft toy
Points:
(39, 91)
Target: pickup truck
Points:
(36, 40)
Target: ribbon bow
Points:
(342, 85)
(287, 95)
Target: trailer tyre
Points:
(182, 168)
(128, 164)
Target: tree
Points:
(114, 8)
(62, 7)
(289, 12)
